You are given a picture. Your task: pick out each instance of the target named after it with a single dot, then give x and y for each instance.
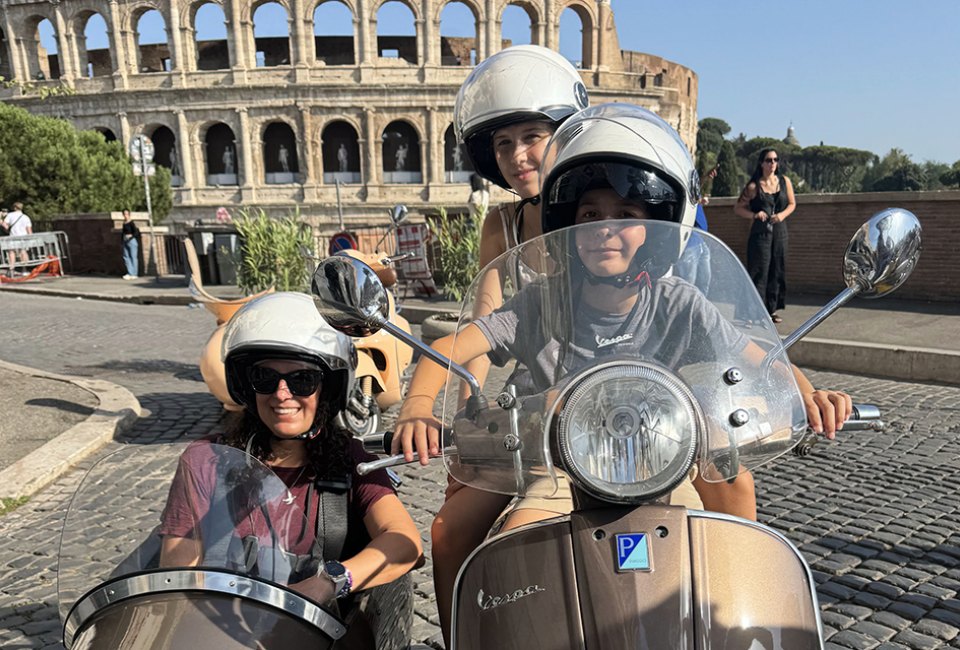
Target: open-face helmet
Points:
(627, 149)
(519, 84)
(286, 325)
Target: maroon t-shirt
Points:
(201, 467)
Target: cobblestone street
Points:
(876, 515)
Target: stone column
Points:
(494, 28)
(15, 45)
(372, 149)
(186, 148)
(237, 30)
(68, 58)
(432, 155)
(551, 26)
(300, 55)
(366, 35)
(124, 130)
(179, 59)
(481, 27)
(120, 66)
(428, 34)
(246, 155)
(308, 150)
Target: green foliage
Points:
(832, 169)
(53, 169)
(932, 171)
(459, 242)
(729, 180)
(270, 252)
(8, 505)
(896, 172)
(951, 178)
(41, 90)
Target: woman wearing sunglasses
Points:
(292, 373)
(768, 200)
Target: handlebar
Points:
(865, 417)
(380, 443)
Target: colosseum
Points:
(243, 116)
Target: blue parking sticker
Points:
(632, 552)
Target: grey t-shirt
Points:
(671, 324)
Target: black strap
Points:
(332, 521)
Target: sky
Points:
(867, 74)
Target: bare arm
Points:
(416, 428)
(180, 552)
(394, 548)
(738, 498)
(742, 208)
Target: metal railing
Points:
(28, 251)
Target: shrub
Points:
(458, 239)
(270, 252)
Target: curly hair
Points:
(328, 454)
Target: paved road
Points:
(876, 515)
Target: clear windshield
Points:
(615, 293)
(164, 506)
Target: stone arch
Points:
(456, 163)
(512, 27)
(398, 45)
(43, 48)
(280, 160)
(6, 69)
(166, 151)
(271, 44)
(340, 152)
(221, 159)
(400, 153)
(338, 48)
(107, 133)
(152, 40)
(587, 20)
(459, 49)
(93, 44)
(212, 48)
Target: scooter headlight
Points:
(627, 431)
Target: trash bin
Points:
(226, 250)
(203, 243)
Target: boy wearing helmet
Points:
(292, 373)
(605, 164)
(505, 112)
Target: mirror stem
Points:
(841, 299)
(464, 374)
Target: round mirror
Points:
(399, 214)
(350, 296)
(883, 253)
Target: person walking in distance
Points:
(17, 224)
(131, 247)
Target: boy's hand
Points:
(827, 410)
(417, 431)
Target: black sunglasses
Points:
(771, 160)
(302, 383)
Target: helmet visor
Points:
(631, 181)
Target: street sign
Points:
(342, 241)
(138, 169)
(142, 148)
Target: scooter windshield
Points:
(586, 302)
(149, 508)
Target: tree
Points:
(951, 178)
(832, 169)
(896, 172)
(52, 168)
(729, 180)
(932, 171)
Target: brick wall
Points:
(821, 228)
(95, 242)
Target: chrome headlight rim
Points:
(589, 378)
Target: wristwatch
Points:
(340, 577)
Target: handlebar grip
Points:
(865, 412)
(378, 443)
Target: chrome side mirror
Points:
(880, 257)
(399, 214)
(883, 253)
(350, 296)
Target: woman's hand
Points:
(417, 431)
(761, 216)
(319, 589)
(827, 410)
(775, 218)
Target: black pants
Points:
(766, 263)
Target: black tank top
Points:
(770, 203)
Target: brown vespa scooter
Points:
(623, 570)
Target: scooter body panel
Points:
(646, 577)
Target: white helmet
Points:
(286, 325)
(623, 147)
(518, 84)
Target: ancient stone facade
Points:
(276, 121)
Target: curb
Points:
(416, 314)
(138, 300)
(118, 409)
(887, 361)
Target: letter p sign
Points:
(633, 553)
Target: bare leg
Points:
(459, 528)
(738, 498)
(526, 516)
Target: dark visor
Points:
(629, 181)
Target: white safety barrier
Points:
(33, 250)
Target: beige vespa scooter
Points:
(623, 570)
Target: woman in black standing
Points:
(768, 200)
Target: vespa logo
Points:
(602, 342)
(492, 602)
